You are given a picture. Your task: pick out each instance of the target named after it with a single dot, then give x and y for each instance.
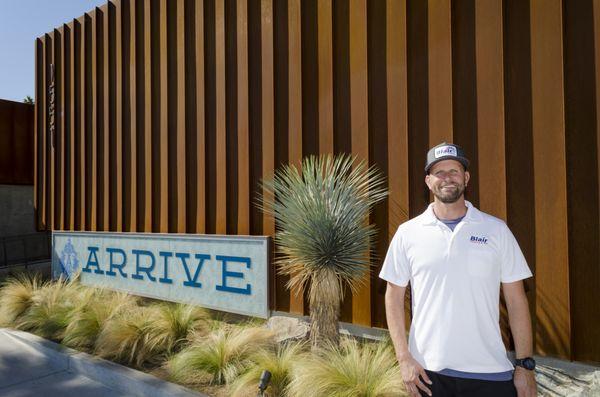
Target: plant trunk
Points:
(324, 297)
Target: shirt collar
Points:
(472, 215)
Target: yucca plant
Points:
(349, 370)
(279, 362)
(16, 295)
(173, 325)
(323, 236)
(124, 337)
(91, 313)
(52, 308)
(219, 356)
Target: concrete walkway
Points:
(32, 366)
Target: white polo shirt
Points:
(455, 282)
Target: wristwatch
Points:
(527, 363)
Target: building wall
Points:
(16, 207)
(166, 115)
(16, 143)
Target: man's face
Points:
(447, 180)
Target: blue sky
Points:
(21, 22)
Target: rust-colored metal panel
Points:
(490, 107)
(439, 37)
(200, 170)
(325, 77)
(82, 132)
(116, 176)
(145, 172)
(130, 115)
(162, 192)
(180, 145)
(73, 126)
(44, 135)
(104, 153)
(51, 129)
(92, 156)
(552, 251)
(359, 122)
(39, 106)
(59, 131)
(17, 136)
(243, 128)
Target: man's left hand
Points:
(525, 382)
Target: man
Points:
(455, 258)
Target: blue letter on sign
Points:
(140, 269)
(165, 278)
(92, 261)
(226, 273)
(192, 282)
(118, 266)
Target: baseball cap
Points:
(445, 151)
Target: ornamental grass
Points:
(280, 362)
(349, 370)
(218, 357)
(51, 309)
(16, 296)
(93, 310)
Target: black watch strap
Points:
(527, 363)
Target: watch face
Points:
(529, 363)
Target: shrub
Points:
(350, 370)
(173, 325)
(279, 362)
(94, 309)
(220, 355)
(124, 336)
(16, 296)
(52, 308)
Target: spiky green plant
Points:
(279, 362)
(124, 337)
(220, 355)
(349, 370)
(174, 324)
(52, 308)
(323, 235)
(93, 310)
(16, 296)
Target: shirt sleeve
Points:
(396, 268)
(514, 265)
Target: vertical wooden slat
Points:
(549, 164)
(200, 120)
(65, 119)
(117, 169)
(243, 131)
(60, 129)
(359, 121)
(92, 163)
(439, 71)
(51, 130)
(146, 173)
(268, 102)
(397, 113)
(104, 199)
(596, 6)
(490, 107)
(71, 196)
(180, 146)
(325, 78)
(221, 141)
(164, 123)
(40, 115)
(295, 111)
(130, 167)
(82, 131)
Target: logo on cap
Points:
(445, 151)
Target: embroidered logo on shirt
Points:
(445, 151)
(479, 240)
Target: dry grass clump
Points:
(350, 370)
(93, 311)
(218, 357)
(174, 324)
(280, 362)
(51, 309)
(16, 295)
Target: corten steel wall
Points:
(170, 112)
(16, 143)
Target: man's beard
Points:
(449, 197)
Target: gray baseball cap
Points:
(445, 151)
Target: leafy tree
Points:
(323, 236)
(28, 100)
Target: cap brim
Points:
(462, 160)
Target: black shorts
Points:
(450, 386)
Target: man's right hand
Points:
(413, 375)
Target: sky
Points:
(21, 22)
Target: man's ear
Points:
(427, 182)
(467, 177)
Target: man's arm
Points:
(520, 326)
(411, 369)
